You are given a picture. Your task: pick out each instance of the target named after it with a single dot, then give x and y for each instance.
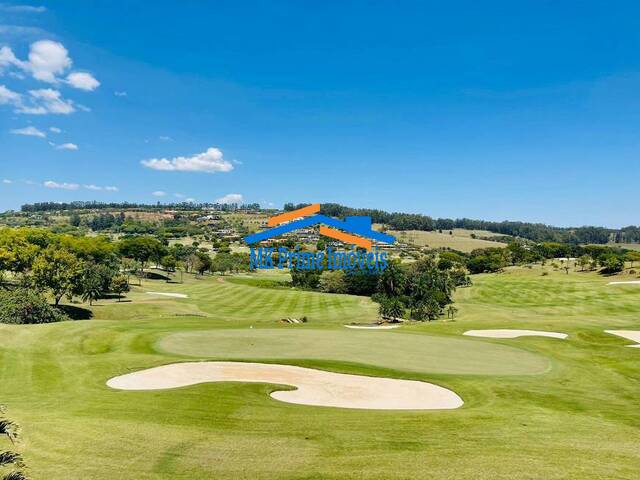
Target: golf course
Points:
(558, 408)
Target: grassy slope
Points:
(460, 240)
(579, 421)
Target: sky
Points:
(491, 110)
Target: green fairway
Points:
(412, 353)
(577, 419)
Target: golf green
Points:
(407, 352)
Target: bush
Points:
(26, 306)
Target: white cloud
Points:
(120, 93)
(7, 181)
(98, 188)
(63, 186)
(165, 138)
(230, 198)
(55, 130)
(210, 161)
(28, 131)
(46, 100)
(83, 81)
(159, 193)
(21, 8)
(67, 146)
(9, 97)
(47, 61)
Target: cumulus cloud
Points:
(158, 193)
(28, 131)
(230, 198)
(47, 61)
(83, 81)
(55, 130)
(43, 101)
(210, 161)
(7, 181)
(66, 146)
(63, 186)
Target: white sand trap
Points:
(509, 333)
(314, 387)
(633, 335)
(373, 327)
(175, 295)
(630, 282)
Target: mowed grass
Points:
(459, 239)
(578, 420)
(404, 352)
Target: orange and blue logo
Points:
(355, 230)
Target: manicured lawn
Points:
(579, 420)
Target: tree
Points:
(119, 285)
(333, 281)
(91, 287)
(201, 262)
(391, 308)
(57, 270)
(584, 261)
(612, 264)
(632, 257)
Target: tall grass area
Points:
(576, 418)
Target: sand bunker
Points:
(175, 295)
(373, 327)
(633, 335)
(314, 387)
(509, 333)
(630, 282)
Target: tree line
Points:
(536, 232)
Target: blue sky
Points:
(494, 110)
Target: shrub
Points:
(26, 306)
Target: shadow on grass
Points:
(76, 313)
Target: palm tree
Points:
(15, 475)
(8, 428)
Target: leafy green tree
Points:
(119, 285)
(585, 261)
(57, 270)
(26, 306)
(91, 287)
(612, 264)
(333, 281)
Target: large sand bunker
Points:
(164, 294)
(314, 387)
(633, 335)
(512, 333)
